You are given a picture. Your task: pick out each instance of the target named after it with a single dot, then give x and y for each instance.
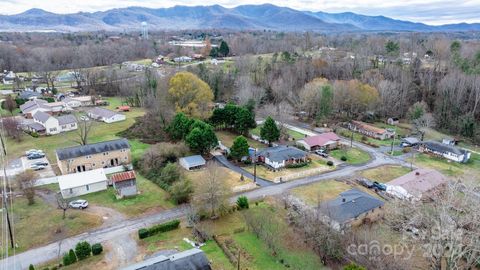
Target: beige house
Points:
(93, 156)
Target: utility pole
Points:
(4, 195)
(393, 142)
(351, 140)
(238, 259)
(255, 166)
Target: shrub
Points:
(343, 158)
(242, 202)
(297, 165)
(69, 258)
(353, 266)
(181, 190)
(406, 149)
(330, 163)
(31, 267)
(34, 134)
(97, 249)
(164, 227)
(364, 138)
(83, 250)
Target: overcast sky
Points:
(426, 11)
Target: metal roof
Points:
(192, 259)
(194, 161)
(91, 149)
(123, 176)
(102, 112)
(350, 204)
(74, 180)
(444, 148)
(419, 181)
(66, 119)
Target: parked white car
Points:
(78, 204)
(33, 151)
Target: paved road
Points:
(55, 250)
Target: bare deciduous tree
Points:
(26, 182)
(212, 191)
(83, 130)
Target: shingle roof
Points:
(192, 259)
(90, 149)
(321, 139)
(350, 204)
(411, 140)
(28, 94)
(194, 161)
(444, 148)
(369, 127)
(41, 116)
(66, 119)
(282, 152)
(30, 105)
(36, 126)
(123, 176)
(102, 112)
(419, 181)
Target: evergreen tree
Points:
(244, 120)
(239, 148)
(224, 50)
(179, 127)
(201, 139)
(270, 131)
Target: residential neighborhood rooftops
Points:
(411, 140)
(440, 147)
(102, 112)
(41, 116)
(29, 94)
(350, 204)
(368, 127)
(282, 152)
(90, 149)
(321, 139)
(30, 105)
(66, 119)
(192, 259)
(419, 181)
(80, 179)
(123, 176)
(36, 127)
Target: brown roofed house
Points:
(420, 183)
(125, 183)
(371, 131)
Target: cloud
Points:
(427, 11)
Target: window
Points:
(103, 162)
(53, 129)
(93, 164)
(126, 158)
(88, 157)
(88, 188)
(72, 125)
(71, 190)
(64, 126)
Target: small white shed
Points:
(76, 184)
(192, 162)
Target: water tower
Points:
(144, 30)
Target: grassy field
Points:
(267, 174)
(100, 132)
(321, 191)
(227, 139)
(470, 169)
(97, 262)
(231, 178)
(41, 223)
(292, 133)
(151, 198)
(385, 173)
(354, 155)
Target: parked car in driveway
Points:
(379, 186)
(37, 167)
(365, 182)
(33, 151)
(36, 156)
(78, 204)
(41, 163)
(321, 153)
(84, 118)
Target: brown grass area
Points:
(231, 178)
(320, 191)
(385, 174)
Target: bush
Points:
(34, 134)
(364, 138)
(353, 266)
(83, 250)
(330, 163)
(97, 249)
(69, 258)
(343, 158)
(297, 165)
(181, 190)
(407, 150)
(164, 227)
(31, 267)
(242, 202)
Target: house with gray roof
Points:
(192, 162)
(192, 259)
(53, 125)
(349, 208)
(280, 156)
(30, 95)
(29, 108)
(447, 151)
(93, 156)
(105, 115)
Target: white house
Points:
(280, 156)
(446, 151)
(76, 184)
(81, 101)
(54, 125)
(9, 77)
(192, 162)
(105, 115)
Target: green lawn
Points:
(320, 191)
(227, 139)
(472, 168)
(294, 134)
(41, 223)
(354, 155)
(385, 173)
(151, 198)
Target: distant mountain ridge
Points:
(244, 17)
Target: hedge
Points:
(83, 250)
(69, 258)
(97, 249)
(330, 163)
(297, 165)
(164, 227)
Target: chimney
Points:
(417, 173)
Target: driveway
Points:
(224, 161)
(45, 173)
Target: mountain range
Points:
(244, 17)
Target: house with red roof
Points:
(124, 183)
(371, 131)
(327, 140)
